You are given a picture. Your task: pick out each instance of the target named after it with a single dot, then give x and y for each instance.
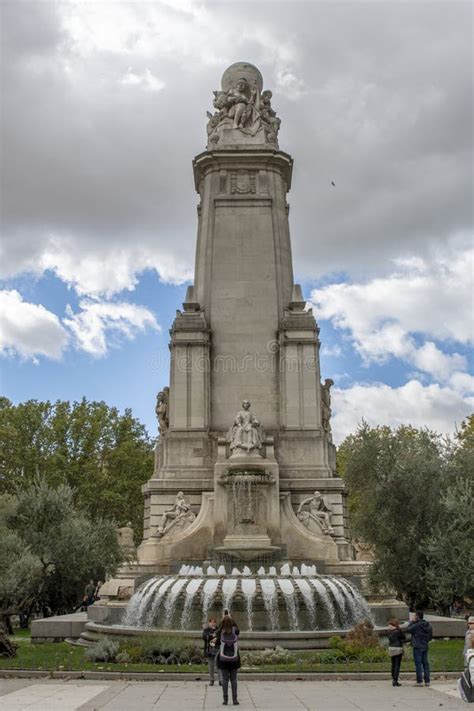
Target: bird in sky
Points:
(333, 183)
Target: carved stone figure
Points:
(239, 101)
(268, 115)
(246, 433)
(242, 105)
(180, 515)
(161, 409)
(314, 512)
(326, 404)
(125, 537)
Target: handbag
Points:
(395, 651)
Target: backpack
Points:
(229, 651)
(465, 687)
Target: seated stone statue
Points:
(125, 536)
(246, 433)
(180, 514)
(314, 512)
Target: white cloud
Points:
(333, 350)
(146, 79)
(388, 317)
(29, 330)
(100, 271)
(101, 324)
(103, 168)
(438, 408)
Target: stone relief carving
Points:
(246, 433)
(161, 409)
(180, 515)
(326, 404)
(315, 513)
(363, 550)
(242, 182)
(242, 105)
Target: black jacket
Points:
(396, 638)
(421, 633)
(208, 634)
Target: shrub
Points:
(363, 635)
(330, 657)
(374, 654)
(134, 651)
(336, 642)
(104, 650)
(161, 649)
(123, 657)
(360, 643)
(276, 655)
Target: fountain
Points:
(244, 511)
(260, 602)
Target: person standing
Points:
(469, 636)
(396, 640)
(211, 648)
(421, 635)
(228, 660)
(466, 682)
(89, 592)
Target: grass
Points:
(445, 655)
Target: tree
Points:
(20, 570)
(103, 455)
(450, 546)
(395, 479)
(53, 550)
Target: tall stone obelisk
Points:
(244, 334)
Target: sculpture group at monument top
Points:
(241, 104)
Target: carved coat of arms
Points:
(242, 182)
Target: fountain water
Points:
(295, 599)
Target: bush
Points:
(258, 658)
(363, 635)
(123, 657)
(161, 649)
(374, 654)
(104, 650)
(330, 657)
(361, 643)
(134, 652)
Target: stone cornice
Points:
(242, 157)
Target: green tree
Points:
(450, 546)
(53, 550)
(103, 455)
(411, 496)
(20, 570)
(395, 479)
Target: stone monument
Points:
(259, 485)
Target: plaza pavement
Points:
(76, 695)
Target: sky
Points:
(104, 107)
